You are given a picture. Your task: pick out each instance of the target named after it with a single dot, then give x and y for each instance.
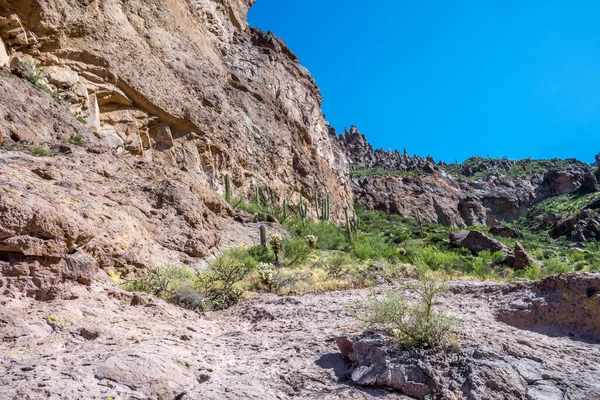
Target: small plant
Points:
(30, 69)
(39, 150)
(265, 274)
(275, 242)
(80, 118)
(219, 283)
(77, 140)
(413, 325)
(336, 266)
(57, 95)
(312, 241)
(296, 252)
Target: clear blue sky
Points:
(453, 79)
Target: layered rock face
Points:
(190, 83)
(174, 95)
(434, 195)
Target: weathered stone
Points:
(4, 57)
(163, 378)
(476, 241)
(62, 77)
(505, 231)
(80, 267)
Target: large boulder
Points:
(502, 230)
(590, 183)
(477, 241)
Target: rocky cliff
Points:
(166, 97)
(477, 192)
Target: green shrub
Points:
(373, 247)
(556, 265)
(412, 324)
(39, 150)
(434, 257)
(30, 69)
(224, 273)
(296, 252)
(329, 236)
(80, 118)
(336, 265)
(77, 140)
(532, 273)
(261, 254)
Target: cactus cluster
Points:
(325, 214)
(311, 241)
(302, 210)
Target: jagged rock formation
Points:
(174, 95)
(361, 153)
(478, 193)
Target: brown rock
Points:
(476, 241)
(522, 260)
(505, 231)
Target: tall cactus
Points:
(351, 223)
(228, 188)
(257, 196)
(326, 215)
(263, 236)
(302, 210)
(285, 209)
(317, 207)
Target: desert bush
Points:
(336, 265)
(412, 324)
(77, 140)
(329, 236)
(312, 241)
(373, 247)
(556, 265)
(531, 273)
(39, 150)
(434, 258)
(296, 252)
(262, 254)
(219, 282)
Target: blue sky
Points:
(453, 79)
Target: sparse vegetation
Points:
(32, 72)
(77, 140)
(39, 150)
(80, 118)
(412, 324)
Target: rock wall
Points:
(190, 83)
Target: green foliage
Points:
(80, 118)
(556, 265)
(261, 254)
(532, 273)
(434, 258)
(312, 241)
(373, 246)
(39, 150)
(77, 140)
(329, 236)
(296, 252)
(413, 324)
(336, 265)
(357, 171)
(219, 283)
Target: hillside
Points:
(179, 221)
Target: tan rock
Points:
(4, 57)
(62, 77)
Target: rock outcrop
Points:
(479, 192)
(477, 241)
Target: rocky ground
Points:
(104, 343)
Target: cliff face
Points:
(189, 82)
(478, 192)
(176, 94)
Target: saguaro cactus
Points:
(302, 210)
(263, 236)
(228, 187)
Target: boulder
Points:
(61, 77)
(590, 183)
(4, 57)
(505, 231)
(476, 241)
(522, 260)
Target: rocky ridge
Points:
(478, 193)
